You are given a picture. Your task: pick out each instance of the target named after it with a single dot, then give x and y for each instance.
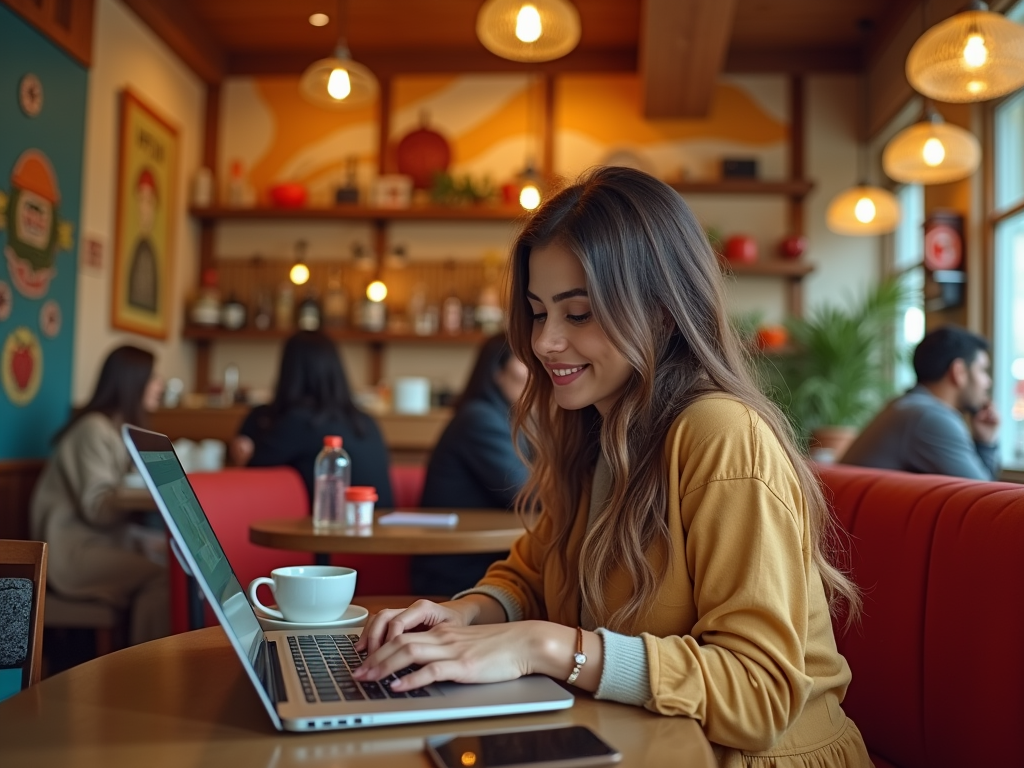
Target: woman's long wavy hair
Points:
(656, 289)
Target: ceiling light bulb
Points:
(864, 211)
(319, 19)
(975, 86)
(299, 273)
(529, 197)
(528, 28)
(975, 52)
(376, 291)
(339, 85)
(933, 153)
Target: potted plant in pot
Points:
(836, 370)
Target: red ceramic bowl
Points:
(288, 195)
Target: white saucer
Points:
(355, 616)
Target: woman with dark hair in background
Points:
(93, 552)
(475, 464)
(313, 400)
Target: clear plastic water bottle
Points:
(333, 476)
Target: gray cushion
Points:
(15, 615)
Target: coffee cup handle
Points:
(268, 612)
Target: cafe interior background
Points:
(800, 97)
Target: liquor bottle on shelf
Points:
(263, 314)
(309, 313)
(373, 315)
(335, 302)
(451, 314)
(284, 308)
(206, 308)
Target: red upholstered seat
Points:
(938, 659)
(232, 499)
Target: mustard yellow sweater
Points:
(740, 636)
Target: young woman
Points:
(474, 465)
(682, 537)
(313, 400)
(92, 552)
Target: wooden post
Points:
(207, 257)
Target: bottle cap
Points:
(332, 441)
(361, 493)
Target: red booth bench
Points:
(938, 658)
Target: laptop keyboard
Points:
(324, 664)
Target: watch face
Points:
(580, 658)
(942, 248)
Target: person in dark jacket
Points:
(313, 399)
(475, 464)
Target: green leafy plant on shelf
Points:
(836, 370)
(447, 189)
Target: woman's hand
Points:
(423, 614)
(452, 651)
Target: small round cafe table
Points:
(478, 530)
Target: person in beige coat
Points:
(93, 550)
(678, 562)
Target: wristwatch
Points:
(579, 658)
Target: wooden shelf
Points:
(216, 333)
(768, 268)
(418, 213)
(795, 188)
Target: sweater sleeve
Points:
(94, 464)
(519, 578)
(741, 670)
(942, 445)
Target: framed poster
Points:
(148, 152)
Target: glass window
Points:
(1009, 151)
(908, 255)
(1008, 369)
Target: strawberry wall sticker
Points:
(31, 216)
(21, 366)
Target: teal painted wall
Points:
(39, 236)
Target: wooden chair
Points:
(27, 560)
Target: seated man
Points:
(924, 430)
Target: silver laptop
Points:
(302, 677)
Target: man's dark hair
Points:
(941, 347)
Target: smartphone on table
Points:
(564, 747)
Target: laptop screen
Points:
(197, 536)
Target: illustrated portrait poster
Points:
(148, 152)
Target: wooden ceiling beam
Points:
(794, 60)
(176, 24)
(385, 62)
(682, 49)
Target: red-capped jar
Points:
(359, 503)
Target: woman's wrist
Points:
(478, 609)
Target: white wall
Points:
(126, 53)
(845, 266)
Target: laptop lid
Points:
(203, 555)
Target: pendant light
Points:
(973, 56)
(863, 209)
(931, 152)
(528, 30)
(338, 82)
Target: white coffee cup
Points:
(308, 594)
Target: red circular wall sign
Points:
(943, 248)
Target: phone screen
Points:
(573, 745)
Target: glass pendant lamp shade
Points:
(931, 152)
(973, 56)
(528, 30)
(337, 82)
(863, 210)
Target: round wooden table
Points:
(478, 530)
(184, 702)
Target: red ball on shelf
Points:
(792, 247)
(741, 248)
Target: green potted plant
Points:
(836, 370)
